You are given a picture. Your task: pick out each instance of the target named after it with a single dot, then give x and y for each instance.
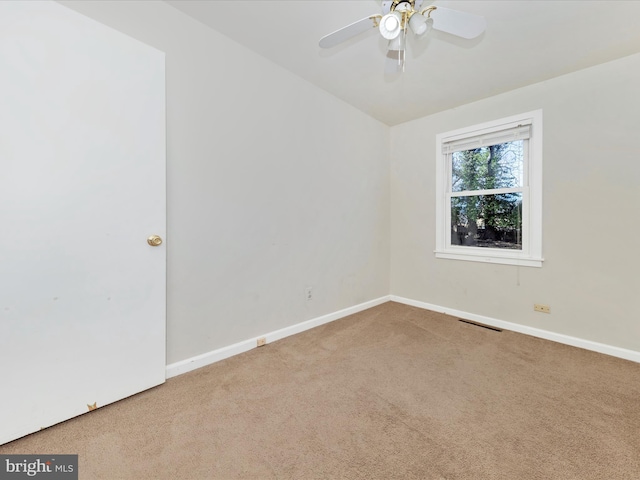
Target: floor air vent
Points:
(480, 325)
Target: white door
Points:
(82, 186)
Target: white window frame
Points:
(531, 253)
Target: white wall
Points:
(591, 226)
(273, 186)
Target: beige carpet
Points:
(390, 393)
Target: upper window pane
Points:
(486, 168)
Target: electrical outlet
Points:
(538, 307)
(308, 293)
(262, 341)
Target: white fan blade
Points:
(345, 33)
(461, 24)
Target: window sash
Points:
(524, 250)
(492, 191)
(526, 227)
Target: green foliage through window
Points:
(488, 219)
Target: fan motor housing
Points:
(388, 5)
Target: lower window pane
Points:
(493, 221)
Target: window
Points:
(489, 192)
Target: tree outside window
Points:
(491, 220)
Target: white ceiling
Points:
(525, 42)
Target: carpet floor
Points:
(394, 392)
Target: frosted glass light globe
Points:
(391, 25)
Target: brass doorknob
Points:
(154, 240)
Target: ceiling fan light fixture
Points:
(391, 25)
(395, 60)
(398, 16)
(420, 24)
(397, 44)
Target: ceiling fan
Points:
(399, 16)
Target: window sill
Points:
(491, 258)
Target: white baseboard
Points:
(208, 358)
(213, 356)
(534, 332)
